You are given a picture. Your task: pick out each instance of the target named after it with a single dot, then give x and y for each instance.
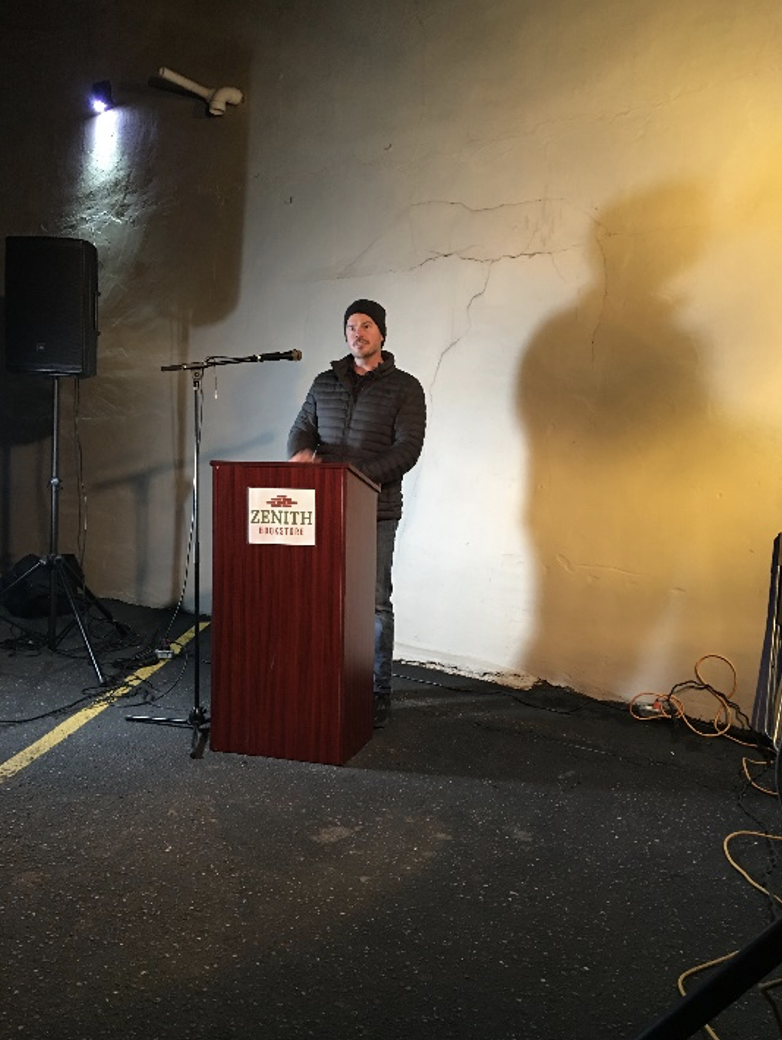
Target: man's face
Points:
(364, 338)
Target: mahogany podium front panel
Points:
(293, 625)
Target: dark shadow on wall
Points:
(183, 273)
(141, 485)
(611, 396)
(168, 223)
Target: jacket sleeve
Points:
(304, 432)
(408, 438)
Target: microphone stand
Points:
(198, 719)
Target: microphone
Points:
(288, 355)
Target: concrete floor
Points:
(495, 863)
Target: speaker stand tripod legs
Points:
(61, 573)
(63, 580)
(62, 577)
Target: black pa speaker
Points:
(51, 306)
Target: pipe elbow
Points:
(223, 96)
(216, 100)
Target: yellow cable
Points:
(721, 960)
(671, 707)
(741, 870)
(694, 971)
(745, 763)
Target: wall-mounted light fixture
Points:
(216, 100)
(100, 96)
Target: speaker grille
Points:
(51, 306)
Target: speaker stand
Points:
(62, 576)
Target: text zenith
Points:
(285, 517)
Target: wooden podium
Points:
(292, 624)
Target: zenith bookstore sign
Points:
(281, 516)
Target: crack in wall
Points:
(507, 230)
(549, 228)
(455, 342)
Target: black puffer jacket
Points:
(376, 422)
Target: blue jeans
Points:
(384, 610)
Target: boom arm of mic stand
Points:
(199, 366)
(212, 362)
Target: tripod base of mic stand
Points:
(197, 721)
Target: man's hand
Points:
(305, 455)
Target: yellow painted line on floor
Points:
(80, 718)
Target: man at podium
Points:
(365, 411)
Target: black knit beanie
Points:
(370, 308)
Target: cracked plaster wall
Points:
(572, 213)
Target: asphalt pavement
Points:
(497, 863)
